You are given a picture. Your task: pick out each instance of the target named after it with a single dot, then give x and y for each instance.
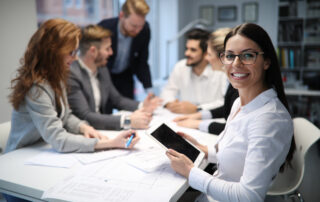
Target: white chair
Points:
(4, 134)
(287, 183)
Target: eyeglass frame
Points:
(239, 56)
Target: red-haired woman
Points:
(41, 110)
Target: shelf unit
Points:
(299, 55)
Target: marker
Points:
(130, 140)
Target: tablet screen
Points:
(172, 140)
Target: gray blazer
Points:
(37, 119)
(81, 100)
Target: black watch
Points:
(199, 109)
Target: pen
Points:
(130, 140)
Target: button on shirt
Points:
(94, 84)
(206, 90)
(249, 152)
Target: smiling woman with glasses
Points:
(257, 140)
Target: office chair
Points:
(4, 134)
(287, 184)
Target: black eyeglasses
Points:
(247, 58)
(74, 52)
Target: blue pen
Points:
(130, 140)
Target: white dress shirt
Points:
(206, 91)
(94, 85)
(249, 152)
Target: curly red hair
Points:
(44, 60)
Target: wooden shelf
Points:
(299, 69)
(290, 44)
(302, 92)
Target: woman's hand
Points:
(202, 147)
(188, 116)
(90, 132)
(181, 107)
(119, 141)
(180, 163)
(189, 123)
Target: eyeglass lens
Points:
(245, 57)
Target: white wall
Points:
(163, 28)
(18, 21)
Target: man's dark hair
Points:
(201, 35)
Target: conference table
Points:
(37, 173)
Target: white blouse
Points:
(251, 150)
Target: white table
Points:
(30, 182)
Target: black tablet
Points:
(171, 140)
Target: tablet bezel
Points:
(200, 156)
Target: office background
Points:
(19, 20)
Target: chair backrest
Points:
(306, 135)
(4, 134)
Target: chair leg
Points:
(296, 195)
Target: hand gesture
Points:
(182, 107)
(140, 119)
(180, 163)
(151, 103)
(189, 123)
(119, 141)
(188, 116)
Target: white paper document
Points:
(52, 158)
(82, 189)
(149, 160)
(87, 189)
(115, 180)
(87, 158)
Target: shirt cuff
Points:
(199, 179)
(140, 105)
(148, 90)
(81, 122)
(204, 125)
(122, 120)
(90, 144)
(205, 114)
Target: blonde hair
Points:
(92, 35)
(139, 7)
(216, 40)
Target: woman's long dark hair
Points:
(273, 74)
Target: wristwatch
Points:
(127, 123)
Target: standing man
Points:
(193, 84)
(91, 94)
(130, 41)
